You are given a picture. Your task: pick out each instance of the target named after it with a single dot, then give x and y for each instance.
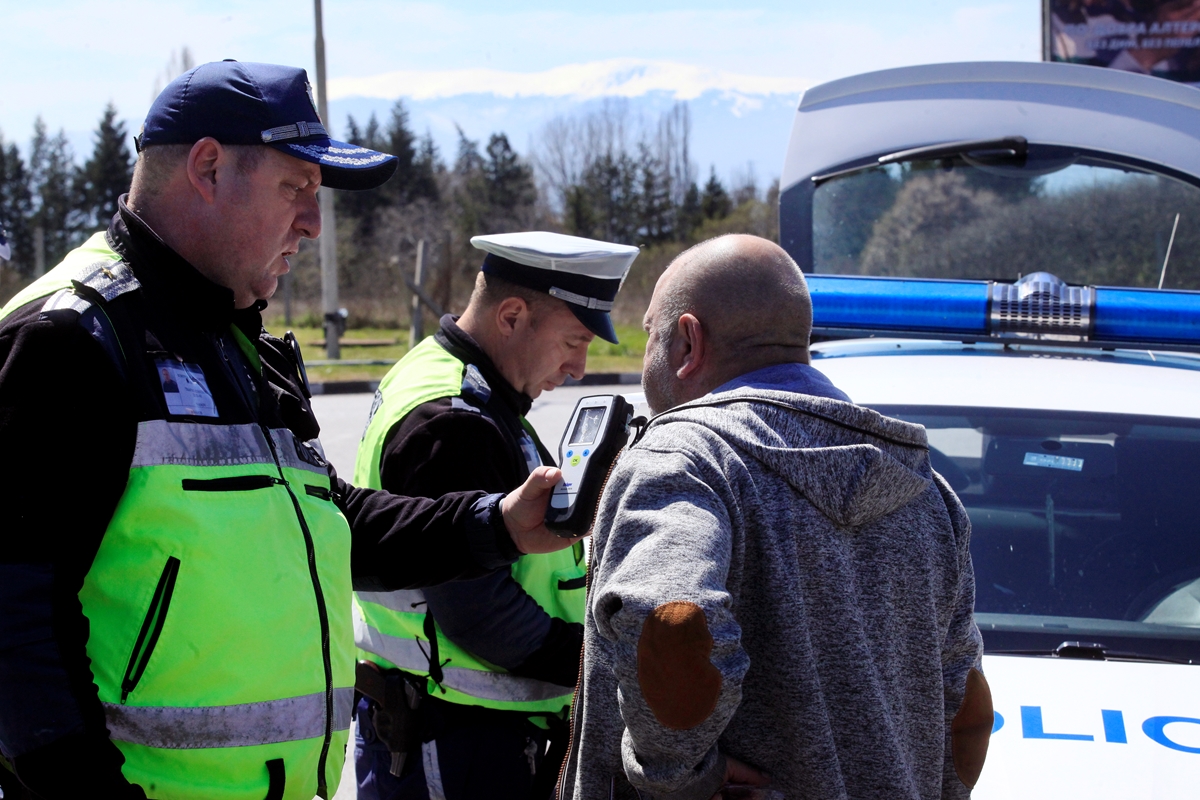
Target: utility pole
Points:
(1047, 39)
(327, 242)
(39, 251)
(416, 331)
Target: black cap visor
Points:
(596, 321)
(343, 165)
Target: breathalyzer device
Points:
(598, 429)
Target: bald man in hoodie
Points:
(782, 594)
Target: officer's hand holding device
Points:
(523, 512)
(598, 430)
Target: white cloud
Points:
(65, 59)
(623, 77)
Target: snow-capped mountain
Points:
(738, 122)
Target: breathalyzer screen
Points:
(587, 426)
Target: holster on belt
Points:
(397, 712)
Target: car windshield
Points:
(1082, 524)
(1081, 217)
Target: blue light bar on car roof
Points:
(899, 304)
(1038, 307)
(1147, 315)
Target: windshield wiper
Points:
(980, 149)
(1005, 148)
(1090, 651)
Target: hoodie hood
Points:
(853, 464)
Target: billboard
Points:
(1154, 37)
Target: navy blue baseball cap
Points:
(241, 103)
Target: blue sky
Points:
(64, 59)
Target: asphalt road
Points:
(344, 416)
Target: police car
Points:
(1006, 254)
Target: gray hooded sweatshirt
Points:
(781, 578)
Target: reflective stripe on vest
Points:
(410, 655)
(191, 728)
(405, 600)
(389, 627)
(161, 442)
(205, 637)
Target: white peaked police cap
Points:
(584, 273)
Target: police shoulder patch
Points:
(474, 384)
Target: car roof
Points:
(1138, 117)
(905, 372)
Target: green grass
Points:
(602, 356)
(310, 339)
(624, 357)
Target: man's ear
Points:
(202, 164)
(690, 346)
(511, 314)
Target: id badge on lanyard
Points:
(185, 389)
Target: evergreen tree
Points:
(371, 136)
(16, 207)
(493, 191)
(353, 134)
(426, 167)
(51, 177)
(363, 206)
(400, 143)
(470, 189)
(615, 182)
(690, 214)
(579, 213)
(657, 211)
(107, 174)
(612, 183)
(619, 198)
(416, 171)
(509, 182)
(715, 202)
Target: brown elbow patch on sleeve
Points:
(677, 679)
(972, 729)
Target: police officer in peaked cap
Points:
(467, 686)
(177, 557)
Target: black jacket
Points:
(70, 403)
(443, 446)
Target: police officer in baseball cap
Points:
(257, 104)
(179, 555)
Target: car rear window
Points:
(1083, 217)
